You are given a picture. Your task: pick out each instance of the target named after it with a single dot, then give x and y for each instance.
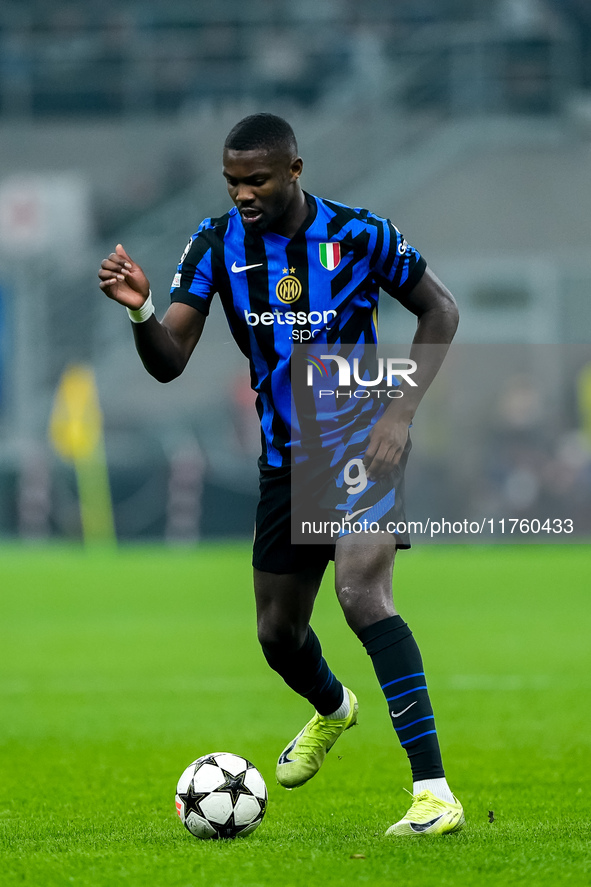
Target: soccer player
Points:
(291, 267)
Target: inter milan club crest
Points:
(330, 255)
(289, 288)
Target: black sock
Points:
(305, 671)
(399, 668)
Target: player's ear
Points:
(296, 168)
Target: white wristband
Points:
(142, 313)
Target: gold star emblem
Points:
(292, 270)
(284, 271)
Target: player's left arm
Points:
(437, 319)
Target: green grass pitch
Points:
(118, 669)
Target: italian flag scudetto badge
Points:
(330, 255)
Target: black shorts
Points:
(273, 549)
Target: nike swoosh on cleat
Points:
(394, 715)
(352, 515)
(236, 269)
(423, 826)
(283, 757)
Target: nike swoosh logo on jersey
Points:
(236, 269)
(423, 826)
(352, 515)
(394, 715)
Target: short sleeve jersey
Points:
(320, 287)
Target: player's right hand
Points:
(123, 280)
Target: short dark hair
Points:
(262, 131)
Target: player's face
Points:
(263, 185)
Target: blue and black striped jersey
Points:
(321, 287)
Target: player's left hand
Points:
(387, 441)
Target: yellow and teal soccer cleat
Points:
(305, 754)
(429, 816)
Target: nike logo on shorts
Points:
(354, 513)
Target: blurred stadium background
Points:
(469, 124)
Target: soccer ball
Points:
(221, 796)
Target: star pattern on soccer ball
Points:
(191, 800)
(234, 785)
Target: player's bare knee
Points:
(276, 636)
(364, 604)
(347, 596)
